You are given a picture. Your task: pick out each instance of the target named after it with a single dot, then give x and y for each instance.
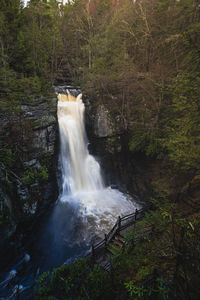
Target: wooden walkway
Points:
(102, 251)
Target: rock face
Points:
(109, 140)
(103, 126)
(106, 133)
(100, 122)
(28, 151)
(42, 115)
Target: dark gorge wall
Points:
(109, 142)
(28, 151)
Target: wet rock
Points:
(31, 162)
(30, 209)
(42, 115)
(101, 122)
(29, 135)
(103, 125)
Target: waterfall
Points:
(80, 171)
(82, 183)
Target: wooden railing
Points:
(98, 250)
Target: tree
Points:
(183, 133)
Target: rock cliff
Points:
(28, 150)
(109, 140)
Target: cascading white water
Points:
(81, 172)
(82, 183)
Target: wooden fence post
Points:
(136, 212)
(106, 239)
(119, 222)
(93, 253)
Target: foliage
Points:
(182, 132)
(146, 140)
(159, 290)
(6, 157)
(35, 175)
(76, 281)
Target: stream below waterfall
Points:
(85, 210)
